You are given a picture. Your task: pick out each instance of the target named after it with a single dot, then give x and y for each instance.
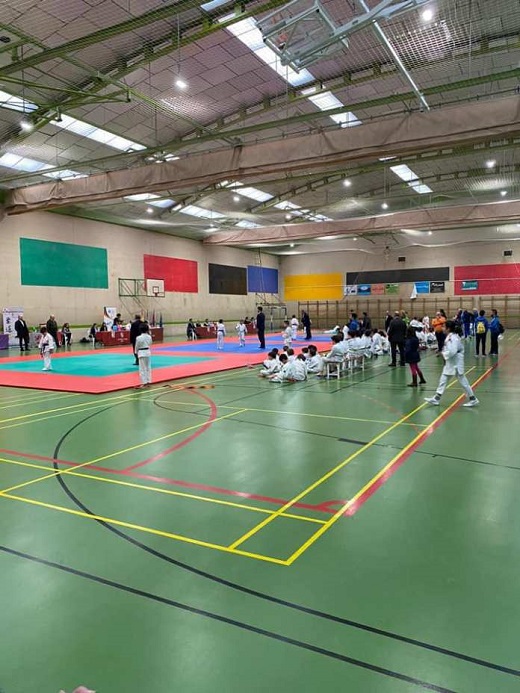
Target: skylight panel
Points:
(195, 211)
(254, 194)
(23, 163)
(15, 103)
(245, 224)
(213, 4)
(247, 32)
(326, 100)
(79, 127)
(163, 203)
(141, 197)
(285, 204)
(406, 174)
(76, 126)
(66, 174)
(346, 120)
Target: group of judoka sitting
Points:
(289, 367)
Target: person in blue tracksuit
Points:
(466, 323)
(481, 330)
(494, 331)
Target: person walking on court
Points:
(413, 357)
(396, 337)
(47, 346)
(22, 332)
(135, 331)
(260, 327)
(453, 354)
(52, 329)
(438, 323)
(306, 322)
(481, 330)
(143, 352)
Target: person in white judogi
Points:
(241, 331)
(47, 346)
(287, 334)
(335, 355)
(271, 365)
(143, 352)
(453, 354)
(221, 333)
(314, 361)
(294, 327)
(377, 344)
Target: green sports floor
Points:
(338, 535)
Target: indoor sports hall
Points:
(188, 192)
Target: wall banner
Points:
(437, 287)
(10, 316)
(391, 289)
(378, 289)
(364, 289)
(351, 290)
(470, 285)
(422, 287)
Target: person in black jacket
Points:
(260, 327)
(52, 329)
(306, 322)
(388, 320)
(135, 331)
(413, 357)
(397, 337)
(22, 332)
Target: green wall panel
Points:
(45, 263)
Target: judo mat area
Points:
(338, 534)
(100, 370)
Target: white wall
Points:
(126, 247)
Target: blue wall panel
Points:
(262, 280)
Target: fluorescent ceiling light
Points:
(247, 32)
(405, 173)
(15, 103)
(326, 100)
(245, 224)
(254, 194)
(195, 211)
(141, 197)
(327, 238)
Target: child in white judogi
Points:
(241, 331)
(377, 344)
(453, 354)
(294, 327)
(47, 346)
(271, 365)
(221, 333)
(314, 361)
(290, 371)
(143, 353)
(287, 334)
(335, 355)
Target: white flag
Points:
(414, 293)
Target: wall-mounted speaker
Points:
(401, 258)
(508, 253)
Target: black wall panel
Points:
(225, 279)
(399, 276)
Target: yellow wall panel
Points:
(313, 287)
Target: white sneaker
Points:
(432, 400)
(471, 402)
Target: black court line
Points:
(256, 593)
(466, 459)
(224, 619)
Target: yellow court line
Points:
(376, 477)
(148, 530)
(114, 454)
(297, 413)
(145, 487)
(28, 399)
(326, 476)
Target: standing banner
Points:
(10, 316)
(109, 313)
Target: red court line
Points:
(321, 507)
(189, 439)
(405, 454)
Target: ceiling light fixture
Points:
(27, 125)
(430, 233)
(384, 205)
(503, 193)
(291, 245)
(347, 183)
(236, 198)
(181, 84)
(491, 163)
(149, 210)
(355, 238)
(427, 15)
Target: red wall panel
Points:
(179, 275)
(492, 279)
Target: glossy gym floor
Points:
(261, 537)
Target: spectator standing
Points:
(66, 334)
(306, 322)
(260, 327)
(52, 329)
(22, 332)
(438, 323)
(397, 337)
(494, 331)
(481, 330)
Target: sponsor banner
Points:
(469, 285)
(422, 287)
(351, 290)
(364, 289)
(391, 288)
(109, 313)
(437, 287)
(378, 289)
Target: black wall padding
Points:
(399, 276)
(225, 279)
